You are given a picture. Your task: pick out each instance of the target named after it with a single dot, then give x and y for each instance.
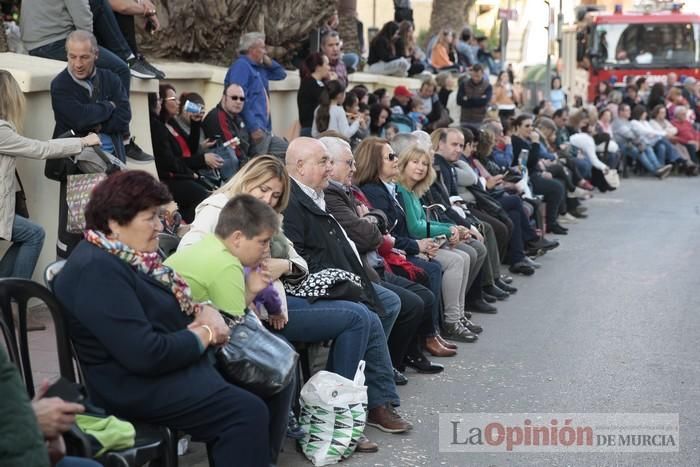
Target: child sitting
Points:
(416, 114)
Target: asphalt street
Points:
(609, 324)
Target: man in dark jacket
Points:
(474, 95)
(322, 242)
(224, 121)
(416, 300)
(86, 98)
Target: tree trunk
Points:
(209, 30)
(448, 14)
(347, 27)
(3, 38)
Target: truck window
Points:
(646, 45)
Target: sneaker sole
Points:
(138, 74)
(388, 430)
(137, 161)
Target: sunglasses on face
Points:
(237, 98)
(392, 156)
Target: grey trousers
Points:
(477, 256)
(455, 265)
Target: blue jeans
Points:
(392, 306)
(433, 270)
(646, 157)
(357, 335)
(20, 259)
(665, 152)
(351, 60)
(585, 167)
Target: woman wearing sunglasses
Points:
(376, 174)
(524, 138)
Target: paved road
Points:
(611, 323)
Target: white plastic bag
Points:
(333, 415)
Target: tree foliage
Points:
(209, 30)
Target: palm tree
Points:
(208, 30)
(450, 14)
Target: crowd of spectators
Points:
(432, 197)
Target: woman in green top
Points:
(416, 174)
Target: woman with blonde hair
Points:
(345, 323)
(415, 175)
(27, 237)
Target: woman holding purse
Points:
(26, 236)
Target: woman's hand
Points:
(91, 139)
(494, 181)
(276, 267)
(534, 137)
(211, 317)
(212, 160)
(428, 247)
(454, 237)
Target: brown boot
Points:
(444, 343)
(432, 345)
(365, 445)
(386, 418)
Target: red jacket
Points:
(686, 132)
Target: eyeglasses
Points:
(237, 98)
(392, 156)
(350, 162)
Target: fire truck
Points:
(653, 41)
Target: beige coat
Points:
(13, 145)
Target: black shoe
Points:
(294, 430)
(467, 323)
(522, 268)
(458, 332)
(480, 306)
(557, 229)
(578, 214)
(422, 365)
(494, 290)
(138, 69)
(506, 279)
(488, 298)
(503, 286)
(543, 244)
(399, 378)
(468, 314)
(159, 74)
(135, 153)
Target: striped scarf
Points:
(149, 264)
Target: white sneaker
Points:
(567, 219)
(577, 193)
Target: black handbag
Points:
(254, 358)
(330, 284)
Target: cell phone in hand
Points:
(440, 240)
(64, 389)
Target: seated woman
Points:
(314, 73)
(415, 175)
(182, 181)
(141, 339)
(376, 172)
(664, 150)
(355, 331)
(383, 58)
(406, 47)
(660, 123)
(330, 115)
(441, 56)
(542, 184)
(687, 134)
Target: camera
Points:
(193, 107)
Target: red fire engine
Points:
(652, 43)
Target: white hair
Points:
(248, 39)
(402, 141)
(335, 146)
(679, 110)
(80, 35)
(424, 141)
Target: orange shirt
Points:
(439, 58)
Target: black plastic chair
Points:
(152, 444)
